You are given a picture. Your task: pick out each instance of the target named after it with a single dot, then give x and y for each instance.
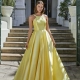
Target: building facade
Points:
(24, 8)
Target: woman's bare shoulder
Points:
(45, 16)
(31, 16)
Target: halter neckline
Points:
(37, 15)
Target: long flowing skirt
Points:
(41, 60)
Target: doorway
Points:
(47, 5)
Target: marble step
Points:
(26, 34)
(53, 20)
(22, 44)
(18, 57)
(21, 50)
(51, 23)
(49, 19)
(25, 30)
(24, 39)
(67, 64)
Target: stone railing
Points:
(6, 25)
(72, 24)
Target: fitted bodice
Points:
(39, 22)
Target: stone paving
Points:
(9, 68)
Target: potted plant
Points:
(73, 2)
(7, 7)
(64, 12)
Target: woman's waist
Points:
(39, 30)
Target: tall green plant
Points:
(8, 3)
(64, 9)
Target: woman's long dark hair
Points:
(39, 2)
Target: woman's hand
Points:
(54, 43)
(26, 45)
(47, 28)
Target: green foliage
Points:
(74, 3)
(64, 9)
(8, 3)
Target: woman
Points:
(41, 60)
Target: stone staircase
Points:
(52, 22)
(14, 46)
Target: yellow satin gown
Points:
(41, 60)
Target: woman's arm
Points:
(47, 28)
(30, 28)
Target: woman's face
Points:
(39, 8)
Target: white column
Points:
(59, 19)
(19, 13)
(6, 25)
(54, 8)
(28, 8)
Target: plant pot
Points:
(65, 23)
(6, 11)
(72, 10)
